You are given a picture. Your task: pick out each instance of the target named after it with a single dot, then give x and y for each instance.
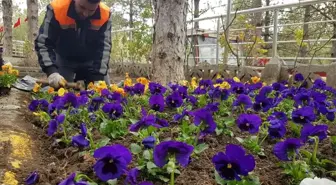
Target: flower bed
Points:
(202, 132)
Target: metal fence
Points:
(18, 49)
(274, 28)
(18, 46)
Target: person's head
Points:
(86, 8)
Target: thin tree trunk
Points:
(131, 22)
(169, 41)
(267, 29)
(196, 12)
(8, 26)
(257, 17)
(32, 15)
(333, 48)
(304, 47)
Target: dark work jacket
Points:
(77, 41)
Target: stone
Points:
(271, 72)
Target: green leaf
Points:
(133, 121)
(103, 142)
(307, 154)
(170, 167)
(151, 165)
(240, 140)
(327, 161)
(219, 179)
(219, 131)
(164, 179)
(200, 148)
(229, 121)
(135, 148)
(112, 182)
(147, 155)
(92, 183)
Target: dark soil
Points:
(55, 163)
(4, 91)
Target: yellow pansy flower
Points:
(236, 79)
(36, 88)
(255, 79)
(51, 90)
(61, 91)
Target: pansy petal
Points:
(247, 164)
(69, 180)
(52, 127)
(80, 141)
(107, 171)
(33, 178)
(115, 150)
(160, 154)
(234, 151)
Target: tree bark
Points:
(333, 48)
(8, 26)
(32, 15)
(131, 22)
(196, 12)
(257, 17)
(267, 29)
(304, 48)
(169, 41)
(267, 23)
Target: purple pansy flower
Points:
(303, 115)
(283, 148)
(310, 130)
(32, 179)
(112, 161)
(233, 163)
(249, 122)
(157, 102)
(114, 110)
(180, 150)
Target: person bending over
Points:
(74, 41)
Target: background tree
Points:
(169, 40)
(8, 26)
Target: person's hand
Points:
(56, 80)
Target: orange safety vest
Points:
(61, 9)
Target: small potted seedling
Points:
(8, 75)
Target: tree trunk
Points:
(333, 47)
(267, 29)
(131, 14)
(169, 40)
(32, 15)
(257, 17)
(304, 47)
(196, 12)
(8, 26)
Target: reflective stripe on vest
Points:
(61, 8)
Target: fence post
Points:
(227, 33)
(217, 43)
(275, 34)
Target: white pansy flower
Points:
(317, 181)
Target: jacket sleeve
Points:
(45, 42)
(103, 52)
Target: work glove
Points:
(56, 80)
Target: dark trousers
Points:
(76, 70)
